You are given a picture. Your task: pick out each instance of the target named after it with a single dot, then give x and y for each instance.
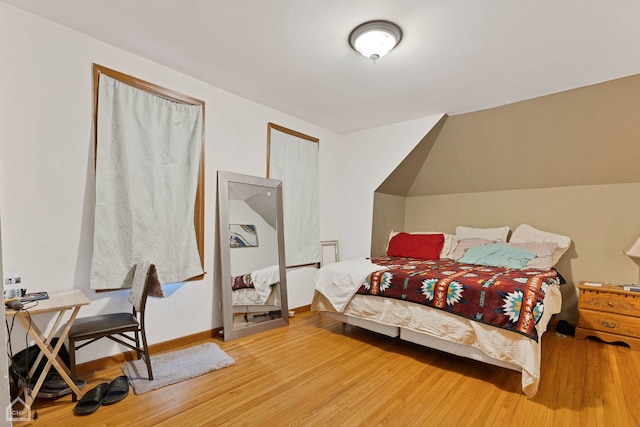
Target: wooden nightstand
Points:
(609, 313)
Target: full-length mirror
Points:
(251, 249)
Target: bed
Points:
(257, 291)
(442, 291)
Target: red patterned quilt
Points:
(511, 299)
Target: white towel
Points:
(340, 281)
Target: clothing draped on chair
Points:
(147, 164)
(144, 271)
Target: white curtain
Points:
(294, 161)
(147, 163)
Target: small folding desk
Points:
(58, 303)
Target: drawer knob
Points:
(608, 323)
(610, 304)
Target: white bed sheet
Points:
(263, 279)
(506, 346)
(249, 296)
(340, 281)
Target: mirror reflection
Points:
(252, 254)
(253, 242)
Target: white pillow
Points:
(450, 242)
(543, 250)
(496, 234)
(526, 233)
(464, 244)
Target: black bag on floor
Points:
(22, 362)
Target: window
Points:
(292, 157)
(176, 106)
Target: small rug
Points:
(176, 366)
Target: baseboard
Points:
(105, 362)
(302, 309)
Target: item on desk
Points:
(592, 284)
(13, 303)
(631, 288)
(34, 296)
(14, 293)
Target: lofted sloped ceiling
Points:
(260, 199)
(292, 55)
(584, 136)
(404, 175)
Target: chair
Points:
(127, 329)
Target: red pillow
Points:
(422, 246)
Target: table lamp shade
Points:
(633, 249)
(633, 252)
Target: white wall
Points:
(46, 168)
(363, 161)
(46, 171)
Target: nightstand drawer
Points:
(610, 302)
(608, 322)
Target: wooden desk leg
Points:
(63, 369)
(50, 353)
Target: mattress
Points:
(450, 332)
(251, 297)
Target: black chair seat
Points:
(88, 327)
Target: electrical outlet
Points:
(13, 280)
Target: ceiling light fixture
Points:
(374, 39)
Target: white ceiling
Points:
(292, 55)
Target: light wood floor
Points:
(318, 373)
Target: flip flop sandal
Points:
(91, 401)
(118, 389)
